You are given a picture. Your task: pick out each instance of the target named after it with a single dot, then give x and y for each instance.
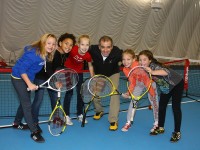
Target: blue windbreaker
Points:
(29, 63)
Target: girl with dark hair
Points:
(171, 86)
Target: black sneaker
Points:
(37, 137)
(175, 136)
(20, 126)
(39, 129)
(158, 130)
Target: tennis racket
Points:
(57, 120)
(101, 86)
(62, 80)
(87, 98)
(139, 83)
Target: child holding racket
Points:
(171, 85)
(40, 78)
(75, 60)
(23, 74)
(129, 61)
(65, 43)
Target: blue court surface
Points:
(96, 136)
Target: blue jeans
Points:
(24, 109)
(68, 97)
(39, 94)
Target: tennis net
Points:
(9, 100)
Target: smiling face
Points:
(83, 45)
(66, 45)
(144, 60)
(50, 44)
(105, 48)
(127, 60)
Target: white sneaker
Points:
(126, 127)
(155, 125)
(69, 121)
(80, 118)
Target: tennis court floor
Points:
(95, 135)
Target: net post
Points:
(186, 75)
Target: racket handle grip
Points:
(83, 121)
(30, 90)
(59, 94)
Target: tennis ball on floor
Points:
(150, 107)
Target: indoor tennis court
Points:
(170, 29)
(96, 133)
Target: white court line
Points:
(168, 104)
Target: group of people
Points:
(43, 57)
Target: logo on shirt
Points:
(163, 85)
(42, 63)
(78, 59)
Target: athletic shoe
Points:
(154, 128)
(39, 129)
(175, 136)
(69, 121)
(20, 126)
(126, 127)
(80, 118)
(36, 136)
(158, 130)
(113, 126)
(98, 115)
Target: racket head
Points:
(87, 98)
(139, 82)
(100, 86)
(62, 80)
(85, 94)
(57, 121)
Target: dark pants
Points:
(68, 97)
(24, 109)
(39, 94)
(176, 95)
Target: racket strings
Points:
(100, 86)
(57, 122)
(64, 80)
(139, 82)
(86, 95)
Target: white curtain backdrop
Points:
(173, 31)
